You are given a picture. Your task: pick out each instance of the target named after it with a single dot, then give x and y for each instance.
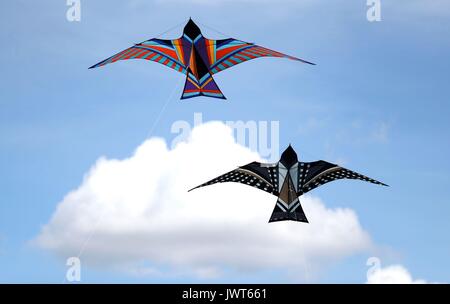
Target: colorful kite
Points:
(288, 180)
(197, 57)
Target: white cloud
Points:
(141, 214)
(394, 274)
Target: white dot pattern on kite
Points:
(339, 173)
(322, 173)
(243, 177)
(273, 173)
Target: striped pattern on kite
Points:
(147, 52)
(247, 52)
(195, 56)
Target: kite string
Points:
(213, 29)
(161, 112)
(88, 238)
(170, 29)
(185, 21)
(94, 228)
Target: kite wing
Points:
(167, 52)
(225, 53)
(254, 174)
(315, 174)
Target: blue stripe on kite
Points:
(191, 94)
(148, 54)
(230, 44)
(160, 53)
(154, 57)
(192, 77)
(118, 56)
(212, 94)
(187, 38)
(231, 55)
(247, 53)
(137, 54)
(246, 57)
(169, 47)
(229, 63)
(126, 53)
(236, 59)
(204, 77)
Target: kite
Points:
(197, 57)
(288, 179)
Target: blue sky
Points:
(377, 101)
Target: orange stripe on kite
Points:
(208, 81)
(131, 54)
(121, 54)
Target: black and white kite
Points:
(288, 179)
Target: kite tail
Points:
(206, 86)
(293, 212)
